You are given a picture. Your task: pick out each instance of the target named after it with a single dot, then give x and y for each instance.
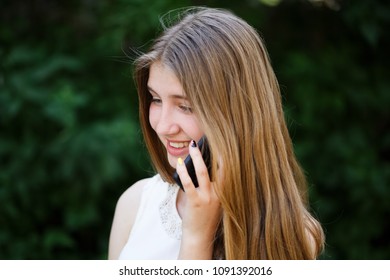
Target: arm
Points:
(124, 217)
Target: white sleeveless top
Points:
(156, 233)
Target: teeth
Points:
(178, 145)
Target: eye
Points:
(186, 109)
(155, 100)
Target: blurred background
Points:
(70, 141)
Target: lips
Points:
(177, 148)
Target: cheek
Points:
(194, 129)
(153, 117)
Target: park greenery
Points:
(70, 142)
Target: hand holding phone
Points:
(205, 151)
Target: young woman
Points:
(209, 75)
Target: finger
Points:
(185, 178)
(200, 166)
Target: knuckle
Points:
(203, 172)
(186, 182)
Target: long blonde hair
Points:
(226, 74)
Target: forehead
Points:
(162, 80)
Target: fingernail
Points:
(193, 144)
(180, 161)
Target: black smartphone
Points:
(205, 150)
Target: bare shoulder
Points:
(124, 217)
(131, 197)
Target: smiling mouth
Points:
(178, 145)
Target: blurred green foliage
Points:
(70, 141)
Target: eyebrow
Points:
(175, 96)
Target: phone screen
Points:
(205, 150)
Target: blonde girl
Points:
(209, 74)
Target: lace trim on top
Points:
(170, 219)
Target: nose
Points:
(167, 122)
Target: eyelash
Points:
(185, 109)
(156, 100)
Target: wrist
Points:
(196, 247)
